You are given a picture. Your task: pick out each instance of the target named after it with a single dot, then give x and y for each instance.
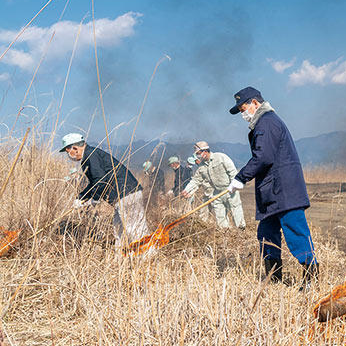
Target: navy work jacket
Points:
(157, 181)
(97, 166)
(182, 177)
(275, 165)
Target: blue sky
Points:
(293, 51)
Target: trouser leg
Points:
(117, 222)
(297, 235)
(220, 213)
(236, 208)
(204, 212)
(129, 215)
(274, 264)
(269, 231)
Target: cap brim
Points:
(62, 150)
(234, 110)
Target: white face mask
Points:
(72, 158)
(247, 116)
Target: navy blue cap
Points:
(242, 96)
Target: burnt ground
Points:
(327, 212)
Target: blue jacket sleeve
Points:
(264, 146)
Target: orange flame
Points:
(339, 292)
(157, 239)
(6, 242)
(331, 306)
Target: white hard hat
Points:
(201, 145)
(147, 165)
(69, 139)
(173, 159)
(191, 160)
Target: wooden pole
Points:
(203, 205)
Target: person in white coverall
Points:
(218, 170)
(207, 189)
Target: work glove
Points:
(235, 185)
(77, 203)
(170, 193)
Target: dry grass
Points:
(325, 174)
(204, 288)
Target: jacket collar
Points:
(264, 108)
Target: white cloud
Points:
(4, 77)
(280, 66)
(330, 73)
(32, 44)
(339, 76)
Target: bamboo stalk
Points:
(14, 162)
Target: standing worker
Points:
(182, 175)
(205, 212)
(156, 182)
(218, 170)
(281, 196)
(121, 190)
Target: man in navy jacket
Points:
(120, 189)
(281, 196)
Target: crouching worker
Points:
(281, 195)
(121, 190)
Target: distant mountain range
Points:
(326, 149)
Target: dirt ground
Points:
(327, 211)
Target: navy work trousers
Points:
(296, 232)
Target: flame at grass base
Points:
(333, 305)
(160, 237)
(7, 240)
(156, 240)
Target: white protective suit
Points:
(219, 172)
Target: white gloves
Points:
(170, 193)
(77, 203)
(235, 185)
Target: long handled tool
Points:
(160, 237)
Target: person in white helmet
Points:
(120, 189)
(218, 170)
(182, 175)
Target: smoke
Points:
(191, 94)
(198, 83)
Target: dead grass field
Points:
(203, 288)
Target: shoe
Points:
(310, 273)
(275, 265)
